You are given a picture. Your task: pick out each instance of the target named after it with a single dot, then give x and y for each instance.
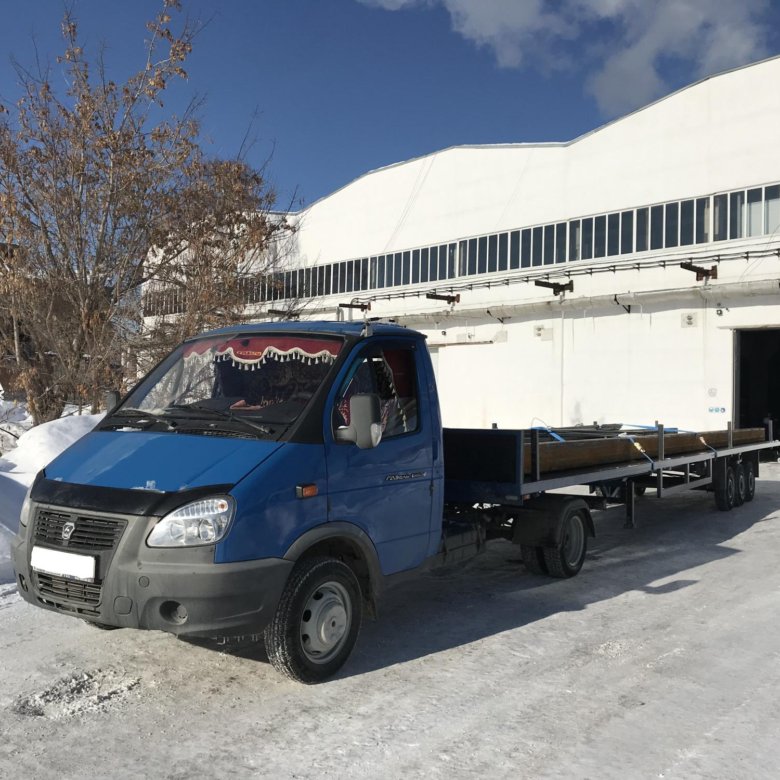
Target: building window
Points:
(463, 252)
(549, 244)
(482, 255)
(452, 260)
(537, 246)
(627, 232)
(574, 240)
(560, 242)
(613, 234)
(721, 217)
(503, 251)
(397, 267)
(686, 223)
(406, 272)
(525, 256)
(349, 267)
(472, 256)
(702, 220)
(737, 215)
(656, 227)
(672, 224)
(514, 249)
(434, 263)
(492, 253)
(754, 213)
(642, 229)
(772, 210)
(586, 251)
(425, 264)
(600, 236)
(416, 266)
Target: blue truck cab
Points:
(262, 479)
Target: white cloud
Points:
(621, 46)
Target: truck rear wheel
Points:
(740, 491)
(726, 491)
(750, 480)
(317, 621)
(533, 558)
(567, 558)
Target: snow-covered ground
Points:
(659, 660)
(34, 448)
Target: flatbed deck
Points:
(507, 466)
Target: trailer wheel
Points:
(741, 484)
(725, 492)
(567, 558)
(750, 480)
(533, 558)
(317, 621)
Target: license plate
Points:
(63, 564)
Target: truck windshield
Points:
(270, 378)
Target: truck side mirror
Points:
(365, 422)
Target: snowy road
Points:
(660, 660)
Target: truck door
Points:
(385, 490)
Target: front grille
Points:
(56, 590)
(90, 533)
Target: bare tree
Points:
(104, 193)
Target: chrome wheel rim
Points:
(325, 622)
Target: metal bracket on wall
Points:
(627, 309)
(556, 287)
(701, 272)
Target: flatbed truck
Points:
(273, 479)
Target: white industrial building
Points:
(625, 333)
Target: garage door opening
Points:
(758, 377)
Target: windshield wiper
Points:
(225, 414)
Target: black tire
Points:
(321, 594)
(101, 626)
(725, 492)
(533, 558)
(567, 558)
(741, 484)
(750, 480)
(640, 490)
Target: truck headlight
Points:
(26, 513)
(200, 522)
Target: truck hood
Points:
(160, 462)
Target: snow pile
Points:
(35, 448)
(40, 445)
(14, 421)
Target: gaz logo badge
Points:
(67, 530)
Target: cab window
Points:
(390, 374)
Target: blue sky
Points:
(339, 87)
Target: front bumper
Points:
(178, 590)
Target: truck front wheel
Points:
(726, 491)
(567, 558)
(317, 621)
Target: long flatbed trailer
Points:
(510, 467)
